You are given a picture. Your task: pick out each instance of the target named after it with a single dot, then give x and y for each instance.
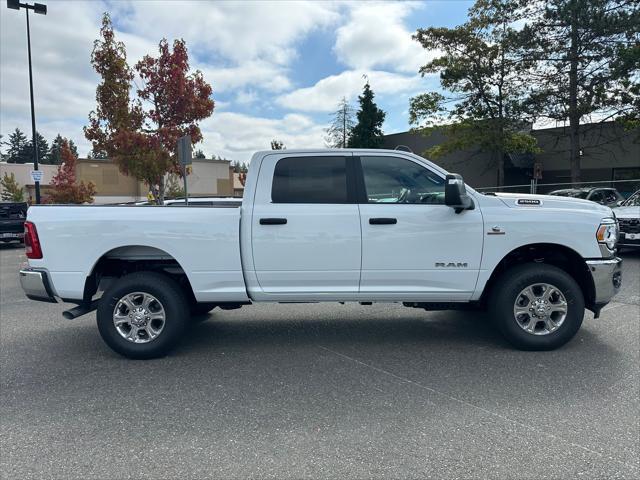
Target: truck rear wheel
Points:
(142, 315)
(537, 306)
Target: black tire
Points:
(168, 294)
(506, 291)
(199, 309)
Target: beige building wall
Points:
(22, 173)
(207, 178)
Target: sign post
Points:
(185, 158)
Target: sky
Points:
(277, 69)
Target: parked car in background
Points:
(628, 215)
(12, 217)
(604, 196)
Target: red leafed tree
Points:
(65, 189)
(141, 135)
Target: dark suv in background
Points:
(12, 216)
(604, 196)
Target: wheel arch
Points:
(554, 254)
(119, 261)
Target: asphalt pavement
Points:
(316, 391)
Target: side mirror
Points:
(455, 194)
(619, 203)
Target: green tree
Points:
(342, 122)
(11, 191)
(199, 154)
(277, 145)
(26, 152)
(53, 155)
(239, 167)
(483, 76)
(16, 143)
(367, 133)
(587, 55)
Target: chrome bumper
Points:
(36, 285)
(607, 278)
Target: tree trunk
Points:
(161, 188)
(574, 114)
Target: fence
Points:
(625, 187)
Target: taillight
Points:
(31, 241)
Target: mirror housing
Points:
(455, 193)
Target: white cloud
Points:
(325, 94)
(375, 36)
(237, 136)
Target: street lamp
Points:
(42, 10)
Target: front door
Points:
(414, 247)
(306, 227)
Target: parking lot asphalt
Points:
(315, 391)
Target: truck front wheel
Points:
(142, 315)
(537, 306)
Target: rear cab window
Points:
(310, 180)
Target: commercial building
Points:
(608, 153)
(207, 178)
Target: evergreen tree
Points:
(484, 81)
(16, 143)
(342, 123)
(277, 145)
(587, 62)
(53, 156)
(368, 131)
(26, 152)
(199, 154)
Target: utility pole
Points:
(41, 9)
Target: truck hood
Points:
(627, 212)
(528, 201)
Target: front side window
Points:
(310, 180)
(397, 180)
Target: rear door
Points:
(414, 247)
(305, 229)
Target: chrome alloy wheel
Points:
(139, 317)
(540, 309)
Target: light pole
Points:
(42, 10)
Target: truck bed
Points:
(204, 240)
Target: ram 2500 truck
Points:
(328, 226)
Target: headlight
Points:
(608, 233)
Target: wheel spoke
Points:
(146, 301)
(133, 333)
(530, 294)
(120, 319)
(550, 324)
(560, 306)
(521, 311)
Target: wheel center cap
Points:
(139, 317)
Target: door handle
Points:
(273, 221)
(383, 221)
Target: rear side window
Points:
(310, 180)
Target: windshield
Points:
(633, 200)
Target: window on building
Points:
(310, 180)
(397, 180)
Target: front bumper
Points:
(607, 279)
(36, 285)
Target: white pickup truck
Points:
(328, 226)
